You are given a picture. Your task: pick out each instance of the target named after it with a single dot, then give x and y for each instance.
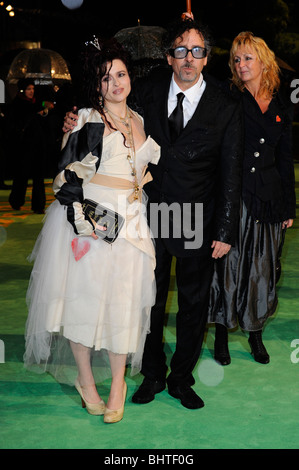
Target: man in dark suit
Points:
(200, 165)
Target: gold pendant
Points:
(136, 192)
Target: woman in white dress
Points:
(90, 300)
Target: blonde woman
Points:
(244, 285)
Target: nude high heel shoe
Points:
(96, 409)
(113, 416)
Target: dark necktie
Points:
(176, 119)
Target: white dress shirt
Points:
(191, 100)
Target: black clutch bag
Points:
(105, 217)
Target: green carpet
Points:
(247, 405)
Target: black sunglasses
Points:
(181, 52)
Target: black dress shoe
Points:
(147, 391)
(188, 397)
(258, 349)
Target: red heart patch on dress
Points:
(80, 248)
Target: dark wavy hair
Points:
(179, 27)
(94, 66)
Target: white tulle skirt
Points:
(102, 300)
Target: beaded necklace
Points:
(131, 157)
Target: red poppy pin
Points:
(278, 119)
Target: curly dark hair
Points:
(179, 27)
(94, 63)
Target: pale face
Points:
(29, 92)
(116, 85)
(248, 66)
(187, 71)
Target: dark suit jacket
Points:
(202, 166)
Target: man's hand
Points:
(287, 223)
(70, 120)
(220, 249)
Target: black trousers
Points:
(19, 188)
(29, 165)
(193, 277)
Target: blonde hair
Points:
(270, 77)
